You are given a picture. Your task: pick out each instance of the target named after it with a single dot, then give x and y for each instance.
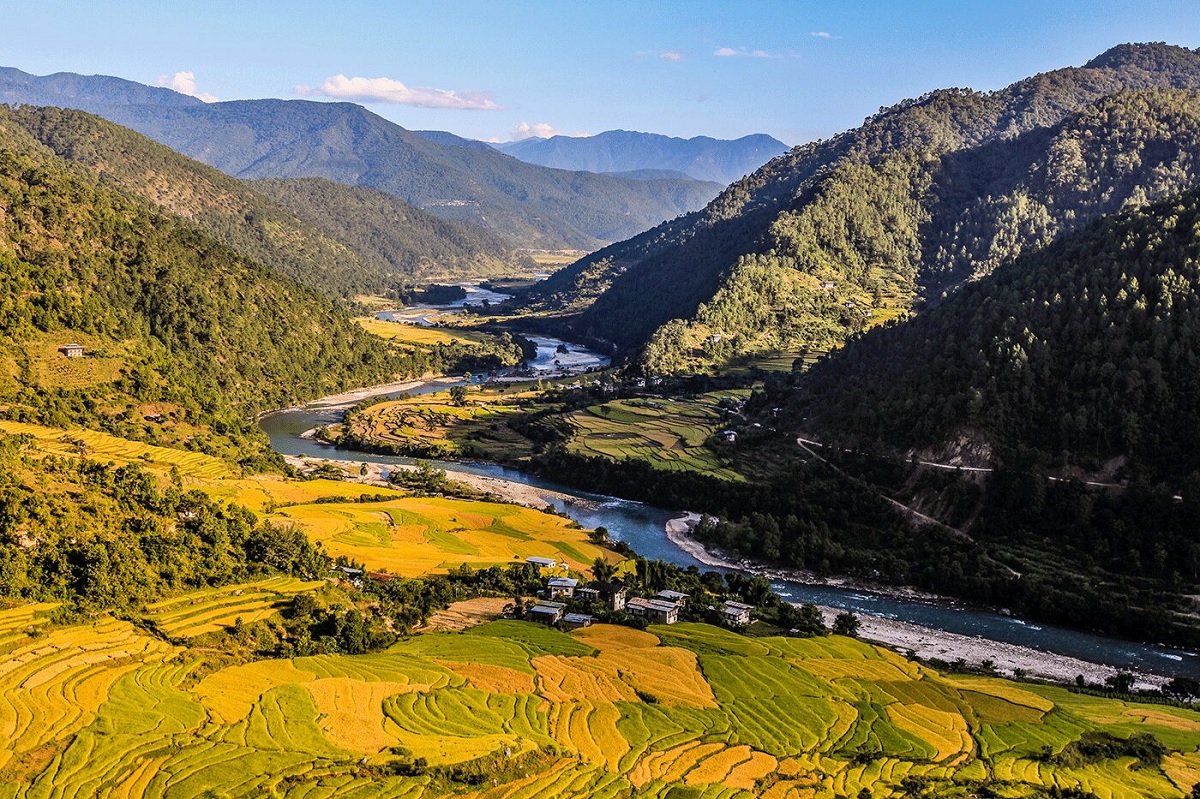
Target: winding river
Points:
(642, 527)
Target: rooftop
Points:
(653, 604)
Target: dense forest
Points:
(360, 241)
(414, 246)
(841, 234)
(1083, 352)
(167, 314)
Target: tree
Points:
(804, 619)
(846, 623)
(1121, 682)
(458, 395)
(603, 570)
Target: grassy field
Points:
(688, 710)
(669, 433)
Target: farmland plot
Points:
(105, 709)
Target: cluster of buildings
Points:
(662, 608)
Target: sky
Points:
(502, 70)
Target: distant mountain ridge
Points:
(362, 241)
(620, 151)
(528, 205)
(845, 233)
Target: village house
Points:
(574, 621)
(612, 594)
(72, 350)
(561, 587)
(656, 611)
(542, 563)
(736, 614)
(546, 612)
(827, 285)
(678, 597)
(730, 436)
(350, 575)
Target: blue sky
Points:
(500, 70)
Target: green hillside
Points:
(340, 240)
(174, 324)
(408, 244)
(844, 233)
(1084, 352)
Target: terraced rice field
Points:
(414, 335)
(430, 425)
(413, 536)
(688, 710)
(204, 612)
(669, 434)
(105, 448)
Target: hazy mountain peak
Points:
(624, 151)
(528, 205)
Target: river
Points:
(643, 528)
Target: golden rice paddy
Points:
(107, 709)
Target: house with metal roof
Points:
(546, 612)
(736, 613)
(558, 587)
(573, 621)
(656, 611)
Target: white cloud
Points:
(822, 35)
(185, 83)
(671, 55)
(540, 130)
(741, 52)
(387, 90)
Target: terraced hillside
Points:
(403, 534)
(510, 709)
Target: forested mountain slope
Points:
(413, 245)
(1083, 352)
(700, 157)
(528, 205)
(175, 325)
(363, 241)
(924, 195)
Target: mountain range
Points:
(362, 241)
(454, 178)
(629, 152)
(846, 233)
